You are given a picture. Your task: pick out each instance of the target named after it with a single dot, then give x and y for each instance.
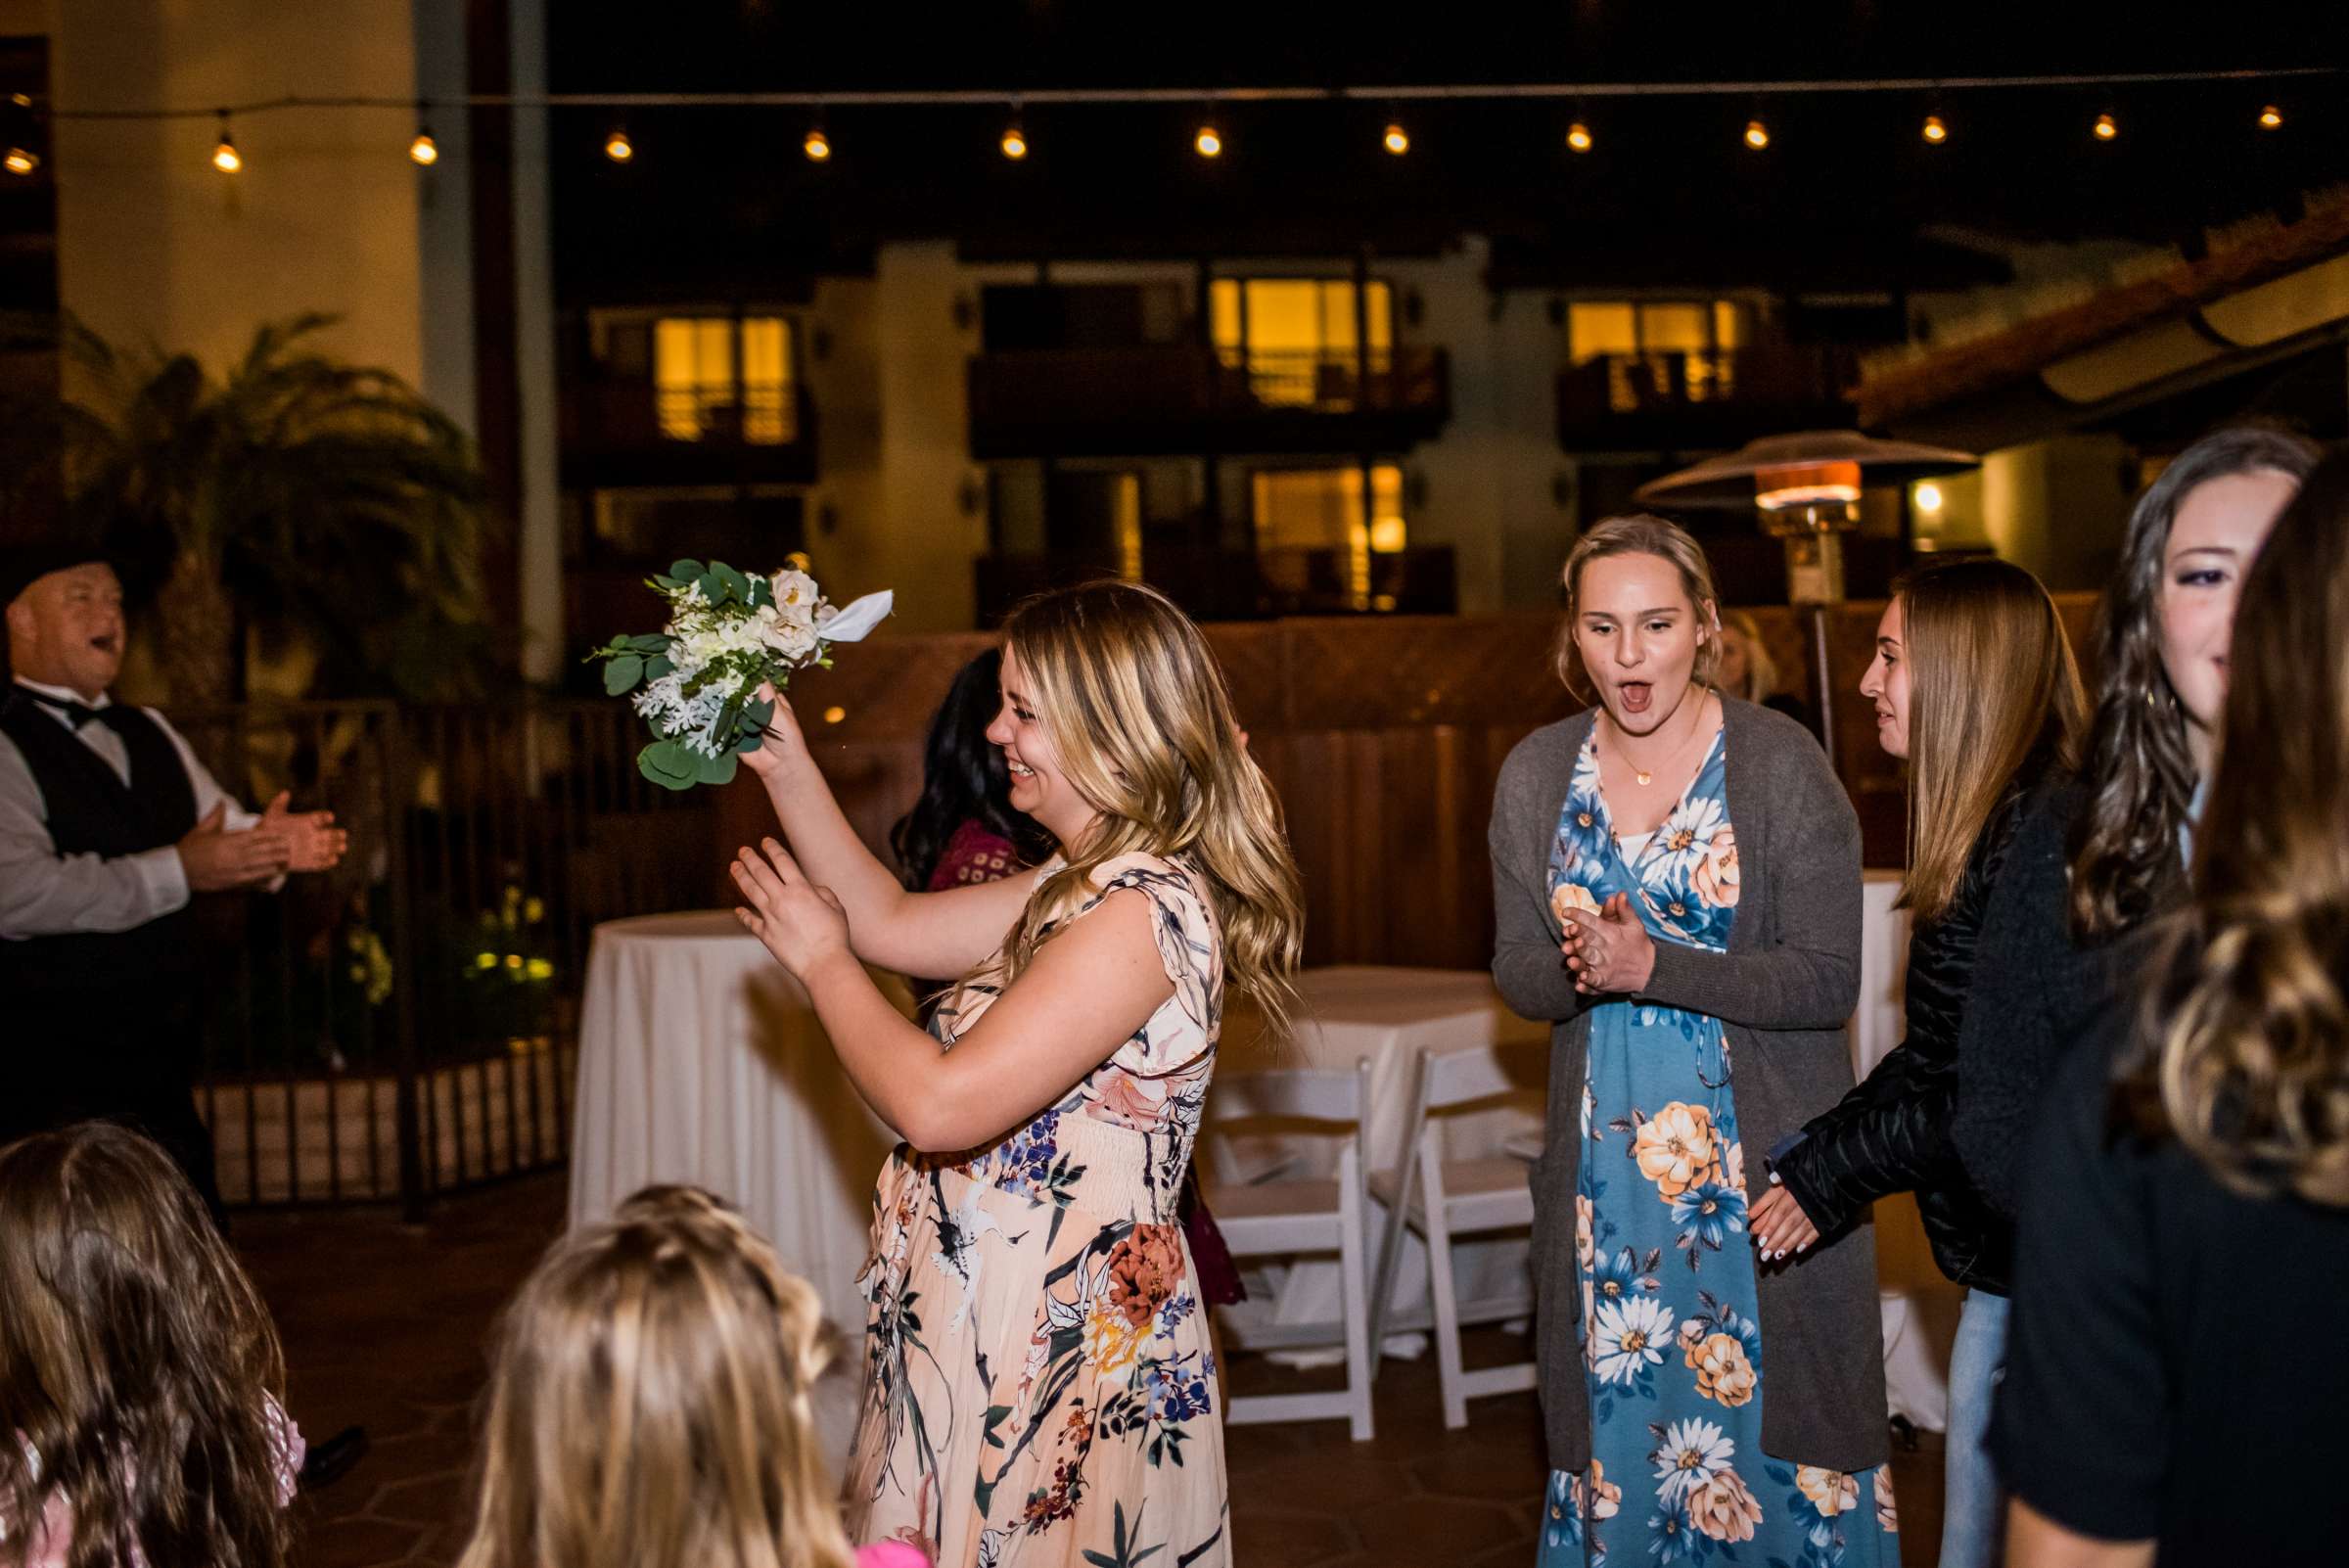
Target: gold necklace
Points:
(1647, 776)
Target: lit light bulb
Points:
(817, 146)
(1397, 140)
(1935, 131)
(2271, 117)
(1209, 142)
(617, 147)
(1928, 497)
(423, 149)
(20, 161)
(1015, 142)
(2106, 127)
(1578, 137)
(1757, 135)
(224, 155)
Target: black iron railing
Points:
(406, 1025)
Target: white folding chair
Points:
(1281, 1215)
(1440, 1199)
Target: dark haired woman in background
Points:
(2093, 860)
(963, 829)
(2170, 1395)
(1975, 688)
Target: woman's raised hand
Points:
(784, 745)
(800, 923)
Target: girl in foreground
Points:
(652, 1407)
(2185, 1197)
(140, 1375)
(1974, 687)
(1039, 1374)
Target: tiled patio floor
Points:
(385, 1324)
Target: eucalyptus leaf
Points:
(668, 757)
(735, 582)
(759, 712)
(684, 572)
(658, 665)
(663, 779)
(666, 583)
(716, 769)
(650, 642)
(750, 742)
(622, 673)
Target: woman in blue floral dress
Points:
(1641, 869)
(1039, 1387)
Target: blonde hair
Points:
(2253, 1023)
(651, 1403)
(1993, 689)
(1761, 670)
(137, 1364)
(1640, 533)
(1139, 716)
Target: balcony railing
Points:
(1692, 400)
(1188, 398)
(1238, 586)
(618, 432)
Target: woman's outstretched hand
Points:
(785, 744)
(1610, 952)
(800, 923)
(1777, 1223)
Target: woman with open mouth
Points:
(1676, 888)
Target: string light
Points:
(1757, 135)
(423, 149)
(20, 161)
(2106, 127)
(818, 147)
(224, 155)
(1578, 137)
(1015, 141)
(1928, 497)
(2271, 117)
(1397, 140)
(1935, 131)
(617, 147)
(1209, 142)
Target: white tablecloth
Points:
(701, 1061)
(1385, 1016)
(1919, 1304)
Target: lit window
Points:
(1672, 350)
(1297, 336)
(1321, 509)
(703, 386)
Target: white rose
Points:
(794, 590)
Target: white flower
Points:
(1693, 1452)
(1632, 1333)
(795, 591)
(1688, 834)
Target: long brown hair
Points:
(2140, 773)
(652, 1405)
(2253, 1022)
(1640, 533)
(1992, 692)
(137, 1362)
(1143, 726)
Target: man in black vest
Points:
(108, 825)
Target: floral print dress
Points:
(1039, 1385)
(1671, 1350)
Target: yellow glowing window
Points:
(1596, 327)
(1298, 337)
(1321, 509)
(709, 377)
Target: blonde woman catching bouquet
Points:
(1038, 1382)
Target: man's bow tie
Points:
(73, 712)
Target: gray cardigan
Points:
(1784, 990)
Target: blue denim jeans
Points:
(1974, 1521)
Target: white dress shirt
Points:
(45, 894)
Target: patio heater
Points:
(1806, 488)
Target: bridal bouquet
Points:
(728, 633)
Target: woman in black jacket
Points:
(1975, 686)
